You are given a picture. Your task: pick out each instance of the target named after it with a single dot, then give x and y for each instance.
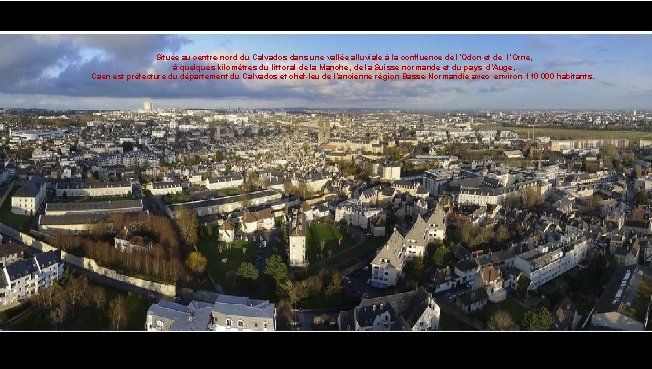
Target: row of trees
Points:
(162, 262)
(74, 297)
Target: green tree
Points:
(196, 262)
(247, 270)
(276, 268)
(442, 256)
(503, 234)
(641, 198)
(523, 284)
(334, 288)
(538, 320)
(502, 321)
(219, 156)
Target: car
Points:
(451, 297)
(347, 280)
(365, 295)
(369, 281)
(366, 268)
(469, 285)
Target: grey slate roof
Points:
(93, 206)
(243, 306)
(31, 188)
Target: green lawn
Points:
(233, 255)
(450, 323)
(88, 319)
(330, 235)
(8, 218)
(370, 244)
(508, 305)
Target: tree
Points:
(532, 197)
(541, 320)
(188, 225)
(98, 297)
(512, 202)
(334, 288)
(276, 268)
(117, 311)
(322, 245)
(247, 270)
(523, 284)
(641, 198)
(218, 155)
(196, 262)
(502, 321)
(59, 306)
(638, 171)
(503, 234)
(442, 256)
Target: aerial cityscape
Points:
(209, 215)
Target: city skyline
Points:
(53, 72)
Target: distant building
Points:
(28, 199)
(226, 181)
(93, 189)
(148, 106)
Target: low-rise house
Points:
(125, 241)
(565, 315)
(356, 214)
(226, 232)
(11, 252)
(473, 300)
(410, 311)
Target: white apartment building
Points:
(228, 314)
(544, 264)
(356, 214)
(164, 188)
(24, 278)
(29, 198)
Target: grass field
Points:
(513, 308)
(571, 133)
(10, 219)
(330, 235)
(233, 256)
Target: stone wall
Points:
(90, 264)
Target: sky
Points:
(54, 71)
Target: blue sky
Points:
(54, 71)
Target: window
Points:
(228, 323)
(265, 325)
(240, 323)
